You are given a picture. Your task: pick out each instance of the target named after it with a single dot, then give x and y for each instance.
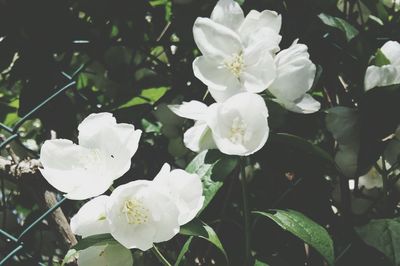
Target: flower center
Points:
(238, 131)
(135, 212)
(235, 64)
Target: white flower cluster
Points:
(136, 214)
(240, 58)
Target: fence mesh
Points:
(14, 243)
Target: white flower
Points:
(392, 3)
(105, 255)
(184, 188)
(342, 122)
(140, 215)
(238, 126)
(237, 51)
(91, 218)
(255, 27)
(295, 76)
(378, 76)
(87, 170)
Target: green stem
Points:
(246, 211)
(160, 256)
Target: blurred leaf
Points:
(303, 145)
(384, 235)
(260, 263)
(184, 249)
(305, 229)
(340, 24)
(377, 115)
(381, 59)
(150, 127)
(11, 119)
(212, 167)
(198, 228)
(149, 96)
(95, 240)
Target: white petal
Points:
(371, 180)
(266, 39)
(185, 189)
(160, 224)
(250, 111)
(71, 169)
(255, 21)
(391, 50)
(295, 73)
(215, 40)
(199, 137)
(258, 76)
(213, 74)
(381, 76)
(91, 218)
(105, 255)
(223, 95)
(192, 110)
(304, 105)
(228, 13)
(118, 142)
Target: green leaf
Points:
(340, 24)
(303, 145)
(260, 263)
(381, 59)
(95, 240)
(199, 229)
(147, 96)
(304, 228)
(384, 235)
(184, 249)
(212, 167)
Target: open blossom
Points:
(238, 126)
(295, 77)
(140, 215)
(378, 76)
(87, 170)
(105, 255)
(237, 51)
(185, 189)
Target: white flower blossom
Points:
(237, 52)
(91, 218)
(105, 255)
(238, 126)
(87, 170)
(184, 188)
(139, 215)
(379, 76)
(295, 76)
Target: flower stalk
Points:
(246, 211)
(160, 256)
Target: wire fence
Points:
(14, 242)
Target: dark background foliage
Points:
(137, 56)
